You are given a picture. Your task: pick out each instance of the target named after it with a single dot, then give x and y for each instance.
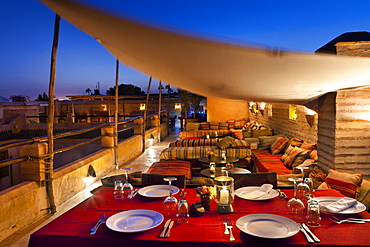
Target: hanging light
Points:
(142, 107)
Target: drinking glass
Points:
(170, 203)
(182, 210)
(127, 187)
(303, 189)
(313, 214)
(118, 189)
(295, 205)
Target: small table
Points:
(218, 160)
(220, 171)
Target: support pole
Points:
(49, 162)
(159, 110)
(145, 111)
(116, 119)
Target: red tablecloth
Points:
(73, 227)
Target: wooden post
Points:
(145, 111)
(49, 162)
(159, 110)
(116, 119)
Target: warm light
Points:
(104, 107)
(178, 106)
(262, 105)
(310, 112)
(293, 112)
(142, 107)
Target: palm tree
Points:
(88, 91)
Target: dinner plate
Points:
(267, 226)
(134, 221)
(160, 190)
(325, 200)
(242, 193)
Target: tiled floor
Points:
(141, 163)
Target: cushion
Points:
(240, 144)
(239, 124)
(171, 167)
(134, 178)
(278, 145)
(296, 157)
(364, 193)
(262, 132)
(265, 142)
(199, 181)
(317, 175)
(204, 126)
(214, 126)
(231, 123)
(308, 146)
(225, 142)
(247, 134)
(238, 134)
(223, 126)
(192, 126)
(313, 154)
(252, 140)
(295, 142)
(344, 182)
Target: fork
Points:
(230, 228)
(102, 220)
(225, 223)
(339, 221)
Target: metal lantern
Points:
(224, 189)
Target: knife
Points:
(133, 193)
(169, 229)
(308, 237)
(164, 228)
(316, 239)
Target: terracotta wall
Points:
(220, 110)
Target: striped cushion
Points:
(240, 144)
(294, 142)
(231, 124)
(223, 126)
(265, 162)
(195, 142)
(192, 126)
(204, 126)
(308, 146)
(278, 145)
(225, 142)
(345, 183)
(214, 126)
(296, 157)
(238, 134)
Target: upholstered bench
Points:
(171, 167)
(194, 142)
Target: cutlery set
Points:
(133, 193)
(228, 227)
(167, 227)
(349, 220)
(101, 221)
(282, 194)
(311, 238)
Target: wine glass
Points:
(303, 189)
(295, 205)
(127, 187)
(170, 203)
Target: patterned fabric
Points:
(317, 175)
(263, 132)
(237, 133)
(239, 124)
(264, 161)
(225, 142)
(214, 126)
(231, 123)
(240, 144)
(200, 133)
(223, 126)
(308, 146)
(194, 142)
(294, 142)
(184, 153)
(171, 167)
(364, 194)
(296, 157)
(278, 145)
(345, 183)
(265, 142)
(204, 126)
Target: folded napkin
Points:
(261, 191)
(341, 204)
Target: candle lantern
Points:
(224, 189)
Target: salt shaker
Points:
(313, 214)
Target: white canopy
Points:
(216, 69)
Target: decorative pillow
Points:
(364, 195)
(252, 140)
(308, 146)
(278, 145)
(247, 134)
(265, 142)
(225, 142)
(231, 123)
(204, 126)
(296, 157)
(237, 134)
(239, 124)
(240, 144)
(214, 126)
(313, 154)
(263, 132)
(317, 175)
(344, 182)
(223, 126)
(295, 142)
(286, 153)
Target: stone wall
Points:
(280, 123)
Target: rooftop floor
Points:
(141, 163)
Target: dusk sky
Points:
(27, 26)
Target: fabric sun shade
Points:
(216, 69)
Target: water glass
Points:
(118, 189)
(313, 214)
(311, 191)
(182, 210)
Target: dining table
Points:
(73, 227)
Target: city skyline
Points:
(27, 28)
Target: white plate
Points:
(267, 226)
(242, 193)
(325, 200)
(134, 221)
(157, 190)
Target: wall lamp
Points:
(178, 106)
(310, 116)
(142, 107)
(261, 107)
(91, 172)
